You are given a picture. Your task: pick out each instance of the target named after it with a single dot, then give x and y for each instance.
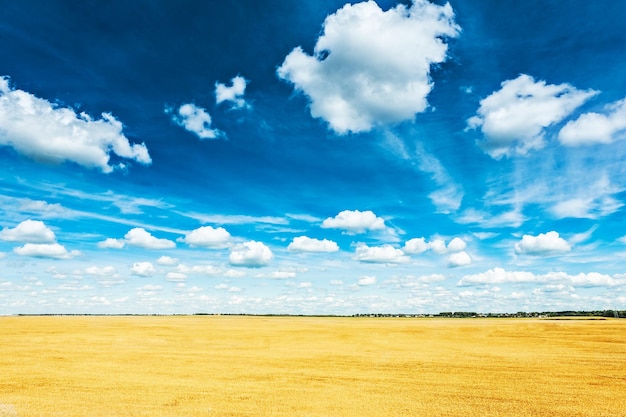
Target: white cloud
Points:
(198, 269)
(544, 244)
(372, 67)
(32, 231)
(140, 238)
(501, 276)
(207, 237)
(46, 132)
(101, 271)
(45, 250)
(307, 244)
(415, 246)
(366, 280)
(110, 243)
(456, 245)
(438, 245)
(592, 128)
(283, 274)
(167, 261)
(197, 121)
(459, 259)
(176, 277)
(234, 93)
(251, 254)
(143, 269)
(513, 119)
(354, 221)
(592, 200)
(379, 254)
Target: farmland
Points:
(212, 366)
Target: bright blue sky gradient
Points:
(312, 157)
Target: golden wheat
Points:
(188, 366)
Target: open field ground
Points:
(210, 366)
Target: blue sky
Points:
(312, 157)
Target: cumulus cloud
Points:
(197, 121)
(379, 254)
(251, 254)
(207, 237)
(139, 237)
(175, 277)
(307, 244)
(366, 280)
(438, 245)
(456, 245)
(513, 119)
(372, 67)
(143, 269)
(43, 131)
(45, 250)
(459, 259)
(101, 271)
(233, 94)
(592, 128)
(544, 244)
(354, 221)
(167, 261)
(501, 276)
(110, 243)
(415, 246)
(32, 231)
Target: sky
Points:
(312, 157)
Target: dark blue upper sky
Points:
(316, 156)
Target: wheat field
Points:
(210, 366)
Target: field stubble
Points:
(219, 366)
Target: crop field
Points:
(210, 366)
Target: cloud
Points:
(207, 237)
(175, 277)
(459, 259)
(456, 245)
(366, 280)
(544, 244)
(307, 244)
(354, 222)
(110, 243)
(167, 261)
(143, 269)
(372, 67)
(140, 238)
(100, 271)
(43, 131)
(513, 119)
(233, 94)
(45, 250)
(593, 128)
(251, 254)
(32, 231)
(501, 276)
(415, 246)
(438, 245)
(196, 120)
(379, 254)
